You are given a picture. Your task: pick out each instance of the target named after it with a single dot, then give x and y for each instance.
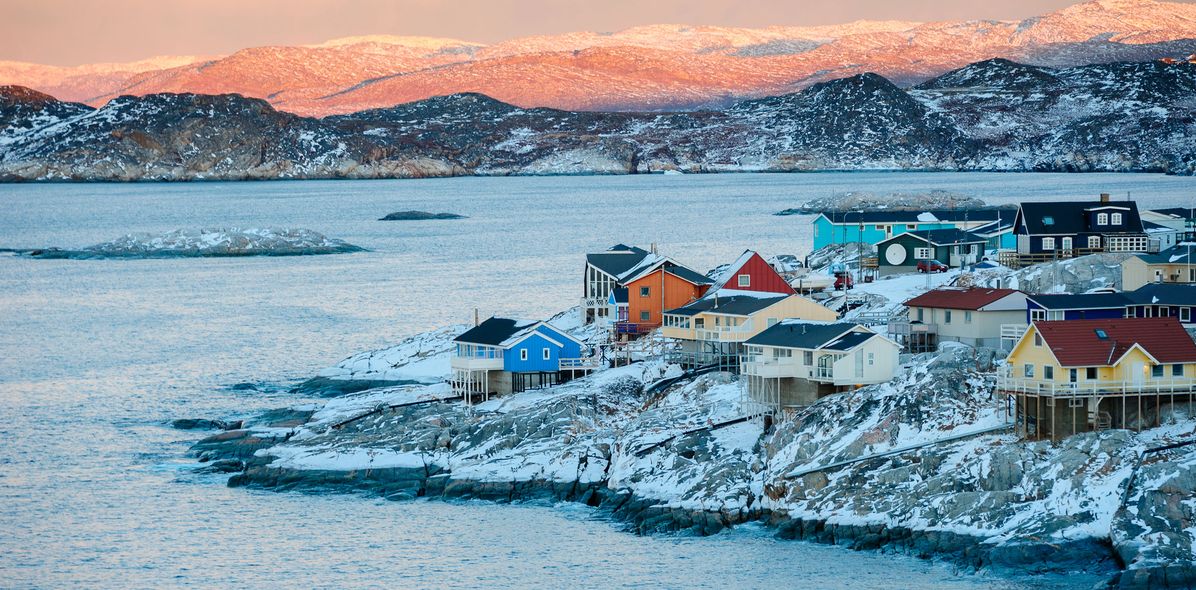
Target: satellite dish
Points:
(895, 254)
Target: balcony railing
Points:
(579, 363)
(634, 328)
(720, 333)
(1013, 331)
(1147, 386)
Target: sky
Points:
(72, 32)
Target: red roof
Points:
(1076, 343)
(950, 298)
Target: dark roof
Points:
(952, 298)
(494, 331)
(912, 216)
(1163, 294)
(620, 294)
(800, 334)
(731, 305)
(1068, 217)
(1077, 343)
(1083, 301)
(1177, 212)
(616, 260)
(1173, 255)
(849, 341)
(941, 237)
(688, 274)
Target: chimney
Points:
(475, 317)
(652, 247)
(1104, 197)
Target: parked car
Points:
(931, 266)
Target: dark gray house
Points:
(952, 247)
(1069, 228)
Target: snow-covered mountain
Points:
(991, 115)
(657, 67)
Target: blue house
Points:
(1160, 300)
(873, 227)
(502, 355)
(1088, 306)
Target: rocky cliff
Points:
(992, 115)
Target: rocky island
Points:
(205, 243)
(418, 216)
(925, 464)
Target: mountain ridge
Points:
(649, 67)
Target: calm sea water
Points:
(96, 357)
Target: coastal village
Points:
(1099, 359)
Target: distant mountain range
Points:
(662, 67)
(991, 115)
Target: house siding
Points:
(677, 292)
(534, 345)
(761, 276)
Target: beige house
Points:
(1177, 265)
(714, 328)
(973, 316)
(795, 362)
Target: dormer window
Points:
(1048, 220)
(1102, 219)
(1116, 219)
(745, 280)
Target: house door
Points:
(1066, 243)
(1138, 370)
(859, 363)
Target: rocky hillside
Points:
(667, 67)
(991, 115)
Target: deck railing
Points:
(1095, 388)
(634, 328)
(1013, 331)
(579, 363)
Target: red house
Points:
(751, 273)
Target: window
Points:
(922, 253)
(1048, 372)
(547, 354)
(967, 317)
(1037, 339)
(781, 353)
(1156, 370)
(1185, 314)
(879, 227)
(1028, 371)
(1048, 220)
(1115, 219)
(1075, 402)
(1102, 219)
(947, 316)
(1101, 334)
(872, 360)
(1094, 242)
(911, 226)
(645, 291)
(645, 316)
(808, 358)
(920, 315)
(745, 280)
(1073, 375)
(1048, 243)
(1090, 373)
(523, 354)
(1037, 315)
(699, 323)
(1177, 370)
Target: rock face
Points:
(213, 242)
(920, 465)
(994, 115)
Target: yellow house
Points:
(1176, 265)
(713, 328)
(1080, 375)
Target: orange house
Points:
(657, 285)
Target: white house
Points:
(973, 316)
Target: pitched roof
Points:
(1177, 212)
(1068, 217)
(1163, 294)
(849, 341)
(730, 302)
(654, 261)
(1082, 301)
(1077, 343)
(729, 271)
(619, 294)
(495, 331)
(1173, 255)
(617, 259)
(940, 237)
(955, 298)
(801, 334)
(915, 216)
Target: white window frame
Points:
(1093, 242)
(1185, 314)
(1048, 372)
(547, 353)
(967, 317)
(1076, 402)
(1048, 244)
(1115, 219)
(745, 280)
(1028, 371)
(1102, 219)
(1037, 315)
(808, 358)
(523, 354)
(923, 253)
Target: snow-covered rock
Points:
(208, 242)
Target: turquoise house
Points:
(873, 227)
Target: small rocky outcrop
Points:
(418, 216)
(206, 243)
